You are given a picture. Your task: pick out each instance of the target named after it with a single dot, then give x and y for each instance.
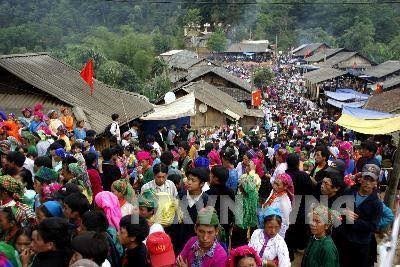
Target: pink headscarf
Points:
(243, 251)
(287, 181)
(109, 203)
(345, 151)
(144, 155)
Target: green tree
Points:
(217, 41)
(359, 36)
(192, 17)
(263, 77)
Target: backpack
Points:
(107, 131)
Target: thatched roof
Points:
(323, 74)
(384, 69)
(388, 101)
(64, 83)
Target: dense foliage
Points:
(124, 37)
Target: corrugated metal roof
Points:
(388, 101)
(384, 69)
(323, 74)
(325, 53)
(64, 83)
(198, 72)
(182, 62)
(211, 96)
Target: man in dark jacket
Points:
(192, 200)
(221, 195)
(297, 235)
(110, 172)
(353, 239)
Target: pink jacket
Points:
(219, 257)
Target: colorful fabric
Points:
(218, 253)
(248, 197)
(49, 191)
(208, 216)
(10, 253)
(81, 178)
(109, 203)
(124, 187)
(54, 208)
(268, 212)
(12, 185)
(287, 181)
(148, 199)
(46, 175)
(242, 252)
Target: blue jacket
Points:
(369, 212)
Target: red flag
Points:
(87, 74)
(256, 98)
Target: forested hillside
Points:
(125, 36)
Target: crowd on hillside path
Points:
(297, 185)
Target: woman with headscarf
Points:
(26, 117)
(321, 250)
(74, 173)
(268, 244)
(55, 122)
(62, 134)
(49, 209)
(45, 185)
(11, 193)
(346, 154)
(125, 193)
(282, 197)
(109, 204)
(247, 196)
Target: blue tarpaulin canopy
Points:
(346, 94)
(340, 104)
(366, 113)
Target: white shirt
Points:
(28, 164)
(127, 209)
(114, 130)
(284, 204)
(276, 248)
(167, 187)
(192, 201)
(281, 168)
(206, 187)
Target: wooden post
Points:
(391, 191)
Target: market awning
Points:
(182, 107)
(340, 104)
(361, 113)
(346, 94)
(370, 126)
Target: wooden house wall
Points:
(210, 118)
(356, 60)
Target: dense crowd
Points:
(297, 186)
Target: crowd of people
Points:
(177, 197)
